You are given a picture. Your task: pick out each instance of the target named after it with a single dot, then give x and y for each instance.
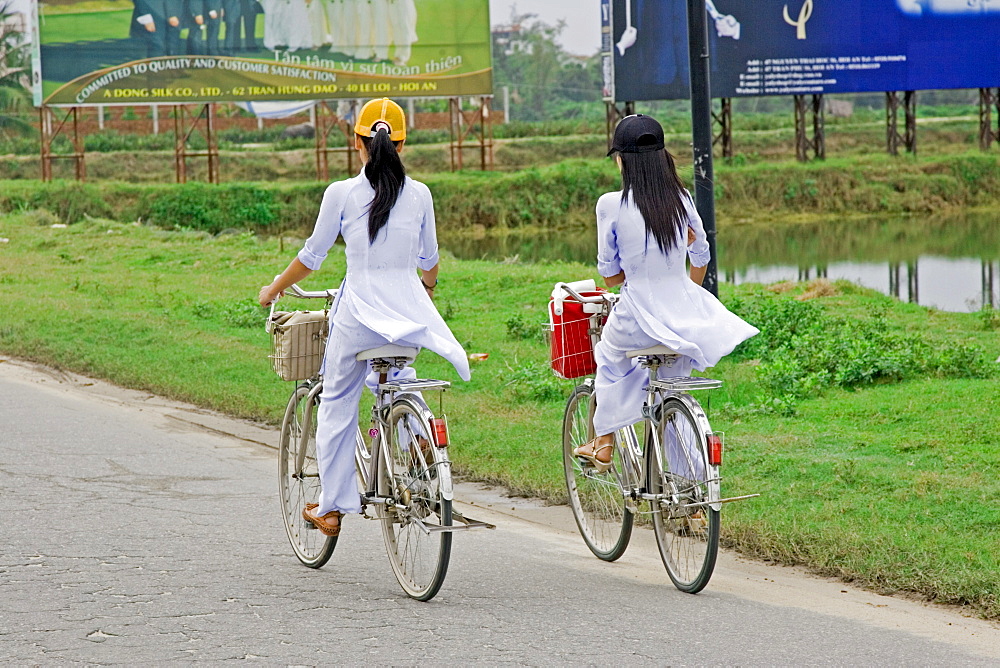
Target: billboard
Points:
(91, 52)
(800, 47)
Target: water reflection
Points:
(950, 284)
(950, 263)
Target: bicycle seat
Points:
(388, 351)
(655, 350)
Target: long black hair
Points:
(384, 170)
(651, 180)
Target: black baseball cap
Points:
(637, 134)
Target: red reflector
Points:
(440, 427)
(714, 450)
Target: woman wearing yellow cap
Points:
(387, 222)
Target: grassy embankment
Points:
(869, 426)
(559, 196)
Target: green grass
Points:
(891, 482)
(893, 487)
(556, 196)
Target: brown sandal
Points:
(322, 522)
(599, 466)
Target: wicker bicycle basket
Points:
(298, 339)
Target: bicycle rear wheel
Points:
(416, 476)
(686, 533)
(604, 520)
(298, 476)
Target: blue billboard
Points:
(803, 47)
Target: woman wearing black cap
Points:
(645, 230)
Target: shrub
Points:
(535, 382)
(802, 350)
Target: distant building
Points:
(509, 38)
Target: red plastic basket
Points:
(572, 353)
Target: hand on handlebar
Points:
(268, 296)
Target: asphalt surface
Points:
(138, 530)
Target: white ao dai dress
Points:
(659, 304)
(381, 301)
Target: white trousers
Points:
(621, 384)
(344, 378)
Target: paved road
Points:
(131, 532)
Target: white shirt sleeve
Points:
(145, 19)
(698, 252)
(608, 260)
(428, 256)
(327, 228)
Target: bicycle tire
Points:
(687, 536)
(598, 505)
(298, 477)
(419, 476)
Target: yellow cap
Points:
(377, 113)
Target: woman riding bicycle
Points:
(644, 232)
(387, 222)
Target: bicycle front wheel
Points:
(416, 476)
(298, 476)
(598, 504)
(687, 531)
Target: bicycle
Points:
(404, 469)
(672, 475)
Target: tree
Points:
(15, 71)
(544, 80)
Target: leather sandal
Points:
(425, 449)
(591, 457)
(322, 522)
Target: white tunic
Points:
(381, 290)
(666, 304)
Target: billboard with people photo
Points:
(170, 51)
(798, 47)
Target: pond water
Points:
(951, 263)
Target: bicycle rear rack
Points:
(413, 385)
(685, 384)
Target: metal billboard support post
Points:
(612, 114)
(724, 119)
(185, 123)
(989, 98)
(49, 135)
(908, 139)
(701, 125)
(803, 144)
(462, 124)
(455, 130)
(326, 120)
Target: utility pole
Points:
(701, 125)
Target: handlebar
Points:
(294, 290)
(595, 299)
